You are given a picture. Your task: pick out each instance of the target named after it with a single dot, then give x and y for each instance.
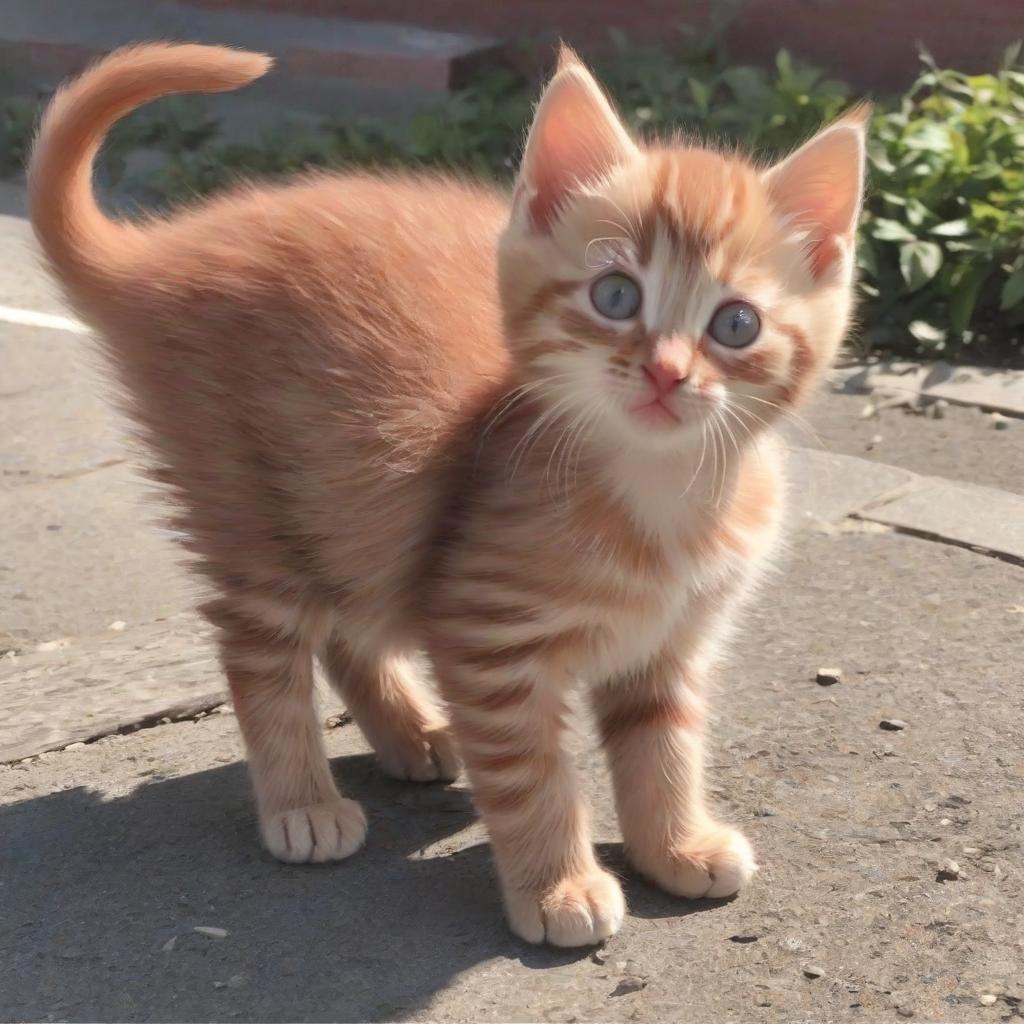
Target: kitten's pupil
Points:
(735, 325)
(616, 296)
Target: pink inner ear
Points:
(819, 189)
(575, 138)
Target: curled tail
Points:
(79, 239)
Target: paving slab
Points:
(55, 417)
(979, 517)
(73, 690)
(112, 854)
(82, 552)
(23, 283)
(826, 486)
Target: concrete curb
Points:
(74, 690)
(828, 487)
(980, 386)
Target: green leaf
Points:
(891, 231)
(1013, 290)
(964, 298)
(951, 228)
(929, 136)
(926, 332)
(701, 95)
(919, 263)
(880, 158)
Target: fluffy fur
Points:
(394, 423)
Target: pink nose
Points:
(665, 374)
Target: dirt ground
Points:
(113, 853)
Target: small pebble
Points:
(904, 1011)
(213, 933)
(829, 676)
(987, 999)
(949, 871)
(51, 645)
(600, 956)
(117, 626)
(169, 945)
(868, 411)
(892, 724)
(937, 410)
(1000, 422)
(813, 971)
(743, 939)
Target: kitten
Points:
(400, 414)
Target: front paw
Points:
(715, 862)
(321, 832)
(581, 910)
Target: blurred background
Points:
(451, 83)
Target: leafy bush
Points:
(942, 243)
(17, 122)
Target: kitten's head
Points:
(649, 291)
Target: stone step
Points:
(81, 688)
(325, 64)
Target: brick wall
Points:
(870, 42)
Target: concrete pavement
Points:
(113, 853)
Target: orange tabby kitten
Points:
(400, 414)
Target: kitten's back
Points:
(297, 356)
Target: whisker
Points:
(703, 452)
(732, 436)
(793, 417)
(536, 431)
(634, 233)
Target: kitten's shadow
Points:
(101, 899)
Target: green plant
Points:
(942, 242)
(17, 125)
(941, 249)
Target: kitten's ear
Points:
(819, 188)
(575, 137)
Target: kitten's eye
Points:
(735, 325)
(615, 296)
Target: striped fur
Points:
(397, 431)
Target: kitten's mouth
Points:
(655, 413)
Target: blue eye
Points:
(735, 325)
(616, 296)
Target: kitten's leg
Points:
(652, 725)
(396, 712)
(510, 726)
(302, 815)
